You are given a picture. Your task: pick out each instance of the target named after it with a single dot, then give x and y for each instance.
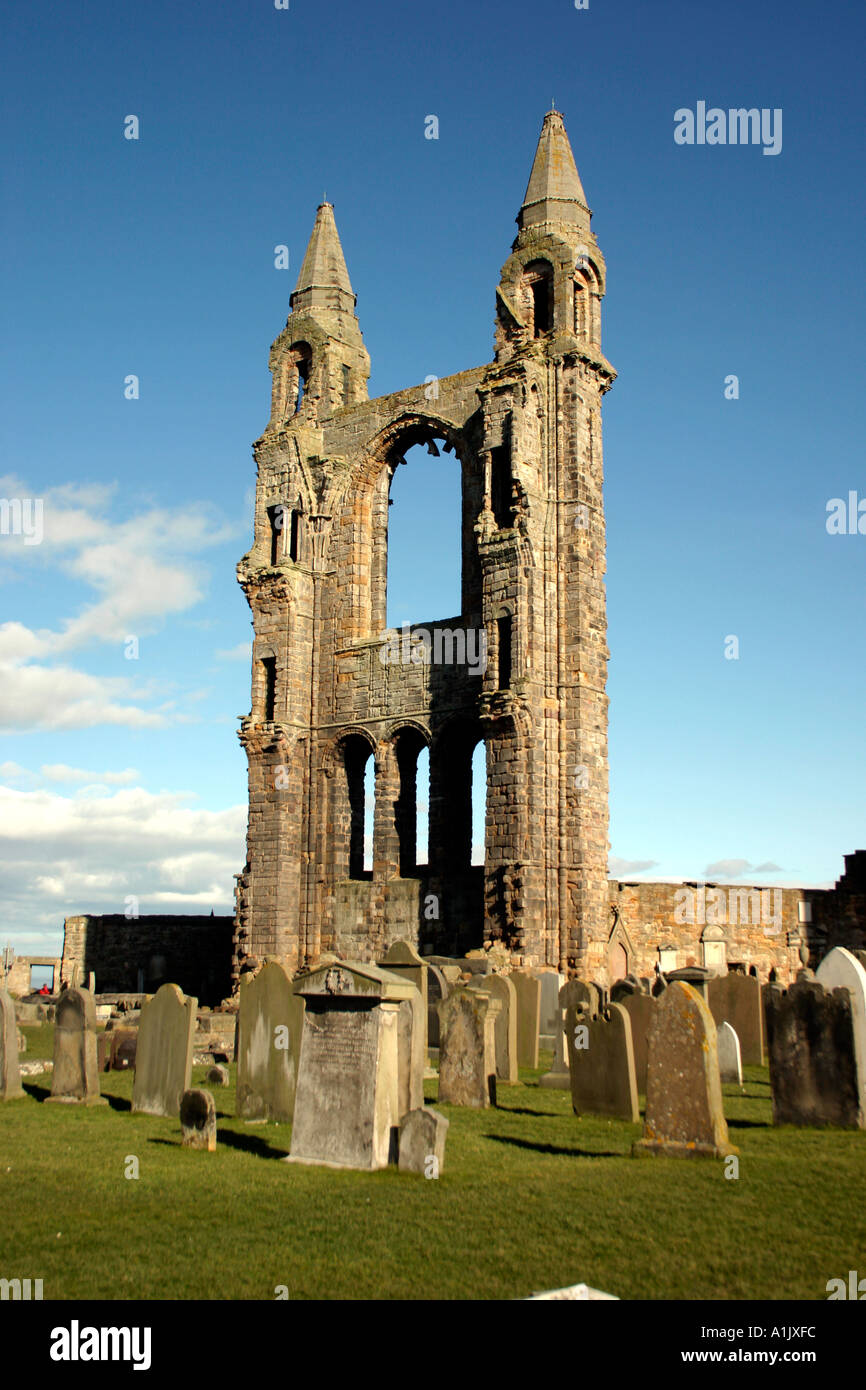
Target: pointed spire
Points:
(554, 192)
(324, 280)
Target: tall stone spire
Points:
(323, 282)
(319, 364)
(554, 192)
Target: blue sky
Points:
(123, 777)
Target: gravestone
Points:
(411, 1051)
(584, 998)
(551, 983)
(116, 1049)
(730, 1063)
(402, 959)
(347, 1105)
(641, 1011)
(684, 1116)
(437, 990)
(75, 1077)
(505, 1024)
(601, 1063)
(218, 1076)
(163, 1059)
(528, 1016)
(422, 1142)
(270, 1022)
(697, 976)
(840, 969)
(467, 1048)
(10, 1076)
(736, 999)
(813, 1062)
(198, 1120)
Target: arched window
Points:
(538, 296)
(300, 365)
(409, 745)
(425, 532)
(354, 812)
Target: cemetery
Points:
(313, 1144)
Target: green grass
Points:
(531, 1198)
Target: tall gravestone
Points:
(551, 983)
(10, 1076)
(163, 1058)
(347, 1105)
(75, 1078)
(584, 997)
(528, 1016)
(601, 1063)
(813, 1062)
(467, 1048)
(841, 969)
(402, 959)
(505, 1024)
(270, 1021)
(437, 990)
(684, 1116)
(411, 1050)
(736, 999)
(641, 1011)
(730, 1062)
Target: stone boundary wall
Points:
(135, 955)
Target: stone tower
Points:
(522, 667)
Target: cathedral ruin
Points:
(331, 686)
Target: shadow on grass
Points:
(249, 1143)
(117, 1102)
(36, 1092)
(558, 1150)
(748, 1124)
(522, 1110)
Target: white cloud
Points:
(617, 867)
(61, 855)
(242, 652)
(59, 772)
(143, 569)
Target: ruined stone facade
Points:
(331, 688)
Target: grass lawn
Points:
(531, 1198)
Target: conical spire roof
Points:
(324, 281)
(554, 192)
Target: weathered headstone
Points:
(813, 1062)
(697, 976)
(505, 1024)
(467, 1048)
(601, 1063)
(270, 1020)
(730, 1062)
(528, 1016)
(684, 1116)
(218, 1076)
(402, 959)
(840, 969)
(584, 997)
(163, 1059)
(75, 1077)
(10, 1076)
(551, 983)
(22, 1041)
(736, 999)
(641, 1011)
(411, 1051)
(437, 990)
(347, 1105)
(422, 1142)
(198, 1120)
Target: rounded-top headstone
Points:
(198, 1120)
